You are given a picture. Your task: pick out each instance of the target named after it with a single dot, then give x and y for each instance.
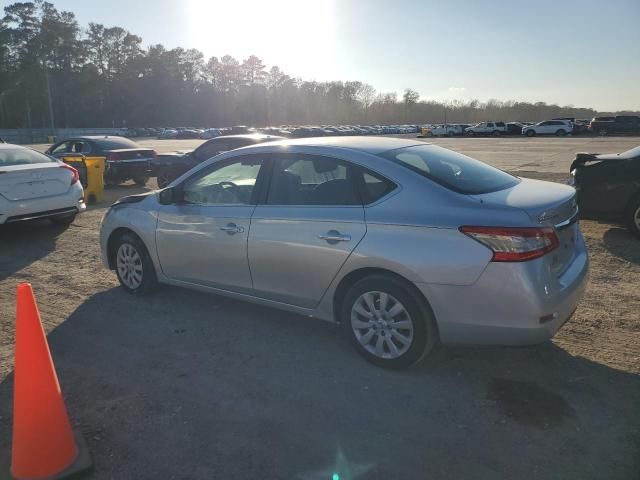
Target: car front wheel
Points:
(387, 322)
(530, 133)
(134, 267)
(561, 133)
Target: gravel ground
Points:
(184, 385)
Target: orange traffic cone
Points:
(44, 445)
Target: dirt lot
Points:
(183, 385)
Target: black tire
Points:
(603, 132)
(531, 133)
(561, 133)
(429, 134)
(470, 134)
(163, 180)
(425, 333)
(66, 219)
(496, 133)
(450, 134)
(141, 181)
(149, 280)
(632, 216)
(111, 181)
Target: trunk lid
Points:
(130, 154)
(546, 204)
(26, 182)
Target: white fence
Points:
(43, 135)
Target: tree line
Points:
(53, 72)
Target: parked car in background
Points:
(486, 128)
(169, 166)
(168, 133)
(608, 186)
(514, 128)
(124, 159)
(559, 128)
(34, 186)
(621, 124)
(188, 133)
(447, 130)
(336, 228)
(210, 133)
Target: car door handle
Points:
(333, 236)
(232, 229)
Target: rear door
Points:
(310, 222)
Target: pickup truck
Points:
(448, 130)
(621, 124)
(487, 128)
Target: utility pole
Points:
(51, 119)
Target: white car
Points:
(448, 130)
(549, 127)
(34, 185)
(486, 128)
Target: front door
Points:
(203, 238)
(309, 224)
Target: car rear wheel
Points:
(531, 133)
(387, 322)
(496, 133)
(633, 216)
(561, 133)
(134, 267)
(603, 132)
(141, 181)
(470, 134)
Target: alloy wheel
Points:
(381, 324)
(129, 265)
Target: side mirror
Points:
(169, 196)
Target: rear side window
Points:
(22, 156)
(452, 170)
(311, 180)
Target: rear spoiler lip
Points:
(582, 158)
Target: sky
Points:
(572, 52)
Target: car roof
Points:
(373, 145)
(12, 146)
(249, 136)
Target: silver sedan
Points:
(403, 243)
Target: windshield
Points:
(22, 156)
(452, 170)
(115, 143)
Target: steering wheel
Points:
(229, 184)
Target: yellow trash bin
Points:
(94, 191)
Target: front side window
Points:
(452, 170)
(311, 180)
(227, 184)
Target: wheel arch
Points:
(114, 236)
(358, 274)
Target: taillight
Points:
(74, 173)
(511, 244)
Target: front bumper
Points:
(510, 304)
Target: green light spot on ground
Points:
(335, 477)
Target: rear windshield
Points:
(452, 170)
(115, 143)
(22, 156)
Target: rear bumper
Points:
(34, 209)
(128, 168)
(510, 304)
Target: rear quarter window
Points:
(452, 170)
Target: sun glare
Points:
(295, 35)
